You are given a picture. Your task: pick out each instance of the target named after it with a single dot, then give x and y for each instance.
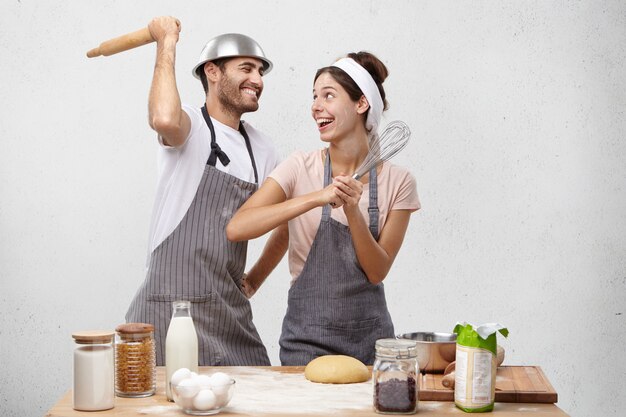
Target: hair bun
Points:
(376, 68)
(373, 65)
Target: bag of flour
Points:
(475, 380)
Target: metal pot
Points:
(434, 350)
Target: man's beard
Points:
(232, 100)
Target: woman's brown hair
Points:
(373, 65)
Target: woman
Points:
(336, 301)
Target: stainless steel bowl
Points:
(434, 350)
(230, 45)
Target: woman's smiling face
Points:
(333, 111)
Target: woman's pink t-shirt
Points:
(303, 173)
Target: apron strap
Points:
(327, 180)
(243, 132)
(373, 200)
(217, 152)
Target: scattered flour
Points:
(272, 392)
(433, 405)
(158, 409)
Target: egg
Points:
(185, 403)
(204, 400)
(223, 398)
(229, 395)
(203, 381)
(187, 388)
(179, 375)
(219, 379)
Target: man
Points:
(210, 162)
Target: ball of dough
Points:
(336, 369)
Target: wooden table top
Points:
(275, 390)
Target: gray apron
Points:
(332, 307)
(198, 263)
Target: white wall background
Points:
(518, 115)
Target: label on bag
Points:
(475, 378)
(476, 365)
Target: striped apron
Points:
(332, 307)
(198, 263)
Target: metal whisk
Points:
(384, 147)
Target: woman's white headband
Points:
(368, 86)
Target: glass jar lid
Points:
(396, 348)
(133, 328)
(91, 337)
(135, 331)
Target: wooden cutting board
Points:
(514, 384)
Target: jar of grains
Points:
(135, 360)
(395, 376)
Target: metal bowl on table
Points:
(434, 350)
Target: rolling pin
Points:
(123, 43)
(449, 375)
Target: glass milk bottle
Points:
(94, 371)
(181, 343)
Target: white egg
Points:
(187, 388)
(203, 381)
(221, 399)
(193, 375)
(220, 390)
(185, 403)
(204, 400)
(229, 395)
(219, 379)
(179, 375)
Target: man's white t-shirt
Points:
(180, 169)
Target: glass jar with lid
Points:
(94, 371)
(135, 360)
(394, 376)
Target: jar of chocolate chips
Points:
(395, 376)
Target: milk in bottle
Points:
(181, 343)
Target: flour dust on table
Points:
(260, 389)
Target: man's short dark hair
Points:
(220, 63)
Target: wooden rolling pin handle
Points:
(448, 380)
(451, 367)
(122, 43)
(448, 376)
(500, 352)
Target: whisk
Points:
(384, 147)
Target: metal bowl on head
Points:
(435, 351)
(230, 45)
